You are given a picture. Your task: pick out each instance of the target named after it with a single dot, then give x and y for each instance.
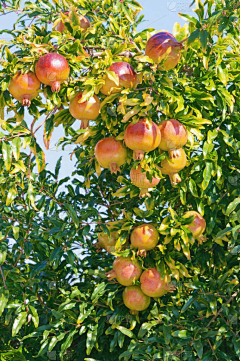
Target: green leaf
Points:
(48, 130)
(125, 331)
(198, 347)
(167, 333)
(16, 147)
(4, 295)
(232, 206)
(222, 73)
(35, 317)
(7, 155)
(203, 36)
(193, 188)
(65, 345)
(18, 323)
(223, 233)
(207, 175)
(72, 214)
(98, 292)
(181, 334)
(193, 37)
(39, 155)
(91, 338)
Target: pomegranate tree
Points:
(52, 69)
(197, 226)
(24, 87)
(153, 284)
(176, 163)
(87, 110)
(126, 270)
(139, 179)
(144, 237)
(164, 48)
(143, 136)
(126, 75)
(173, 134)
(110, 153)
(135, 299)
(83, 21)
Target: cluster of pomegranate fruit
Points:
(128, 270)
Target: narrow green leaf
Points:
(7, 155)
(16, 147)
(18, 323)
(72, 214)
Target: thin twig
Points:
(3, 277)
(49, 114)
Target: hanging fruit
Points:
(83, 22)
(24, 87)
(140, 180)
(52, 69)
(135, 299)
(125, 270)
(144, 237)
(197, 226)
(173, 134)
(176, 163)
(126, 77)
(143, 136)
(153, 284)
(164, 47)
(85, 111)
(111, 153)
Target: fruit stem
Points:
(142, 253)
(138, 154)
(111, 275)
(175, 178)
(55, 87)
(144, 193)
(84, 123)
(114, 168)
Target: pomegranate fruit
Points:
(52, 69)
(144, 237)
(140, 180)
(110, 153)
(126, 75)
(153, 285)
(173, 134)
(143, 136)
(125, 270)
(24, 87)
(84, 24)
(198, 225)
(105, 243)
(171, 168)
(88, 110)
(164, 47)
(135, 299)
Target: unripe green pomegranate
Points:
(173, 134)
(164, 47)
(143, 136)
(24, 87)
(125, 270)
(88, 110)
(135, 299)
(111, 153)
(144, 237)
(198, 225)
(139, 179)
(153, 285)
(176, 163)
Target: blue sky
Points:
(159, 14)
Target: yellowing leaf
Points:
(147, 100)
(131, 113)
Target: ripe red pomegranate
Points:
(135, 299)
(176, 163)
(153, 285)
(163, 46)
(143, 136)
(125, 270)
(139, 179)
(88, 110)
(24, 87)
(52, 69)
(198, 225)
(110, 153)
(84, 24)
(126, 75)
(173, 134)
(144, 237)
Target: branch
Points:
(127, 53)
(49, 114)
(3, 277)
(221, 309)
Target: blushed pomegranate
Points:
(110, 153)
(105, 243)
(52, 69)
(135, 299)
(139, 179)
(126, 75)
(153, 285)
(88, 110)
(173, 134)
(125, 270)
(164, 47)
(198, 225)
(24, 87)
(143, 136)
(176, 163)
(144, 237)
(84, 24)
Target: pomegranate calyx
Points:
(84, 123)
(139, 154)
(142, 253)
(114, 168)
(111, 275)
(26, 101)
(175, 178)
(144, 193)
(56, 87)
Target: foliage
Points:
(55, 304)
